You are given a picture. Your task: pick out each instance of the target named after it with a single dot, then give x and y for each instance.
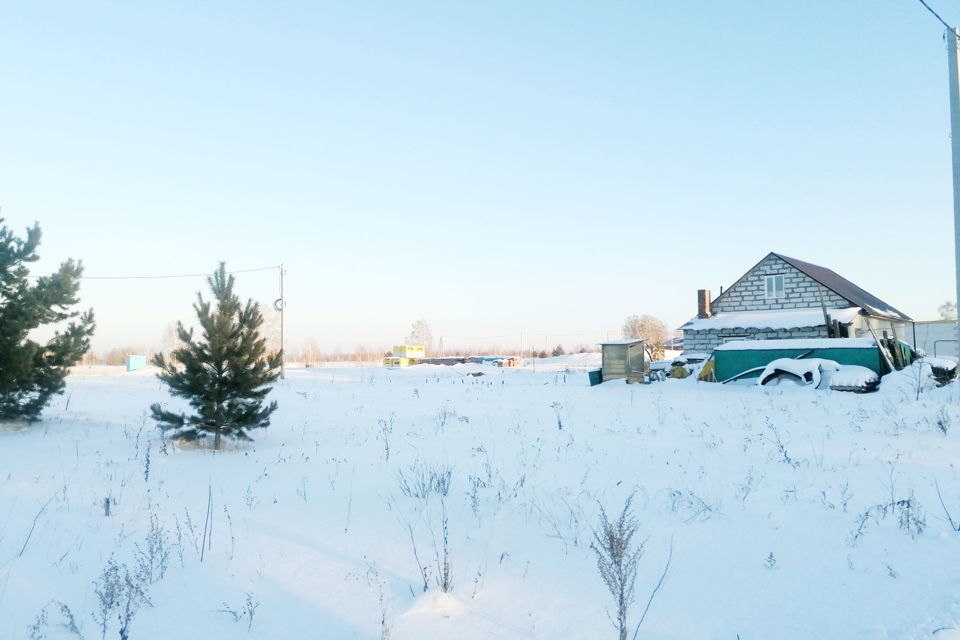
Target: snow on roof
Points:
(773, 319)
(624, 341)
(798, 343)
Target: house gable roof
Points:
(871, 305)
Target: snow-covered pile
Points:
(808, 371)
(819, 373)
(943, 370)
(853, 377)
(790, 515)
(569, 362)
(948, 364)
(921, 377)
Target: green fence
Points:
(734, 362)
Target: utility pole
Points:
(953, 45)
(279, 305)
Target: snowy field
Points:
(791, 513)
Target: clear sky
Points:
(490, 166)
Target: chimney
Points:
(703, 303)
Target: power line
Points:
(168, 277)
(556, 334)
(565, 335)
(505, 335)
(936, 15)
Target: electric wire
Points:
(167, 277)
(935, 15)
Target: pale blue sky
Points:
(491, 166)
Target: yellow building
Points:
(410, 351)
(405, 355)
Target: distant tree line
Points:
(311, 355)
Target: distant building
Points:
(782, 297)
(410, 351)
(936, 337)
(405, 355)
(673, 344)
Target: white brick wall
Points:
(749, 294)
(800, 291)
(707, 340)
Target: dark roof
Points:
(871, 304)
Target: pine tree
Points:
(30, 372)
(225, 375)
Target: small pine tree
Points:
(31, 373)
(225, 374)
(558, 351)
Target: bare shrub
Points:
(781, 446)
(68, 623)
(36, 630)
(420, 482)
(562, 519)
(121, 594)
(476, 483)
(690, 502)
(384, 623)
(953, 523)
(742, 490)
(245, 612)
(154, 557)
(911, 518)
(422, 479)
(444, 567)
(943, 420)
(617, 560)
(108, 591)
(386, 428)
(444, 415)
(557, 407)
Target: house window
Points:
(774, 287)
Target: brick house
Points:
(783, 297)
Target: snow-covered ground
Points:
(776, 501)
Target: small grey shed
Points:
(623, 359)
